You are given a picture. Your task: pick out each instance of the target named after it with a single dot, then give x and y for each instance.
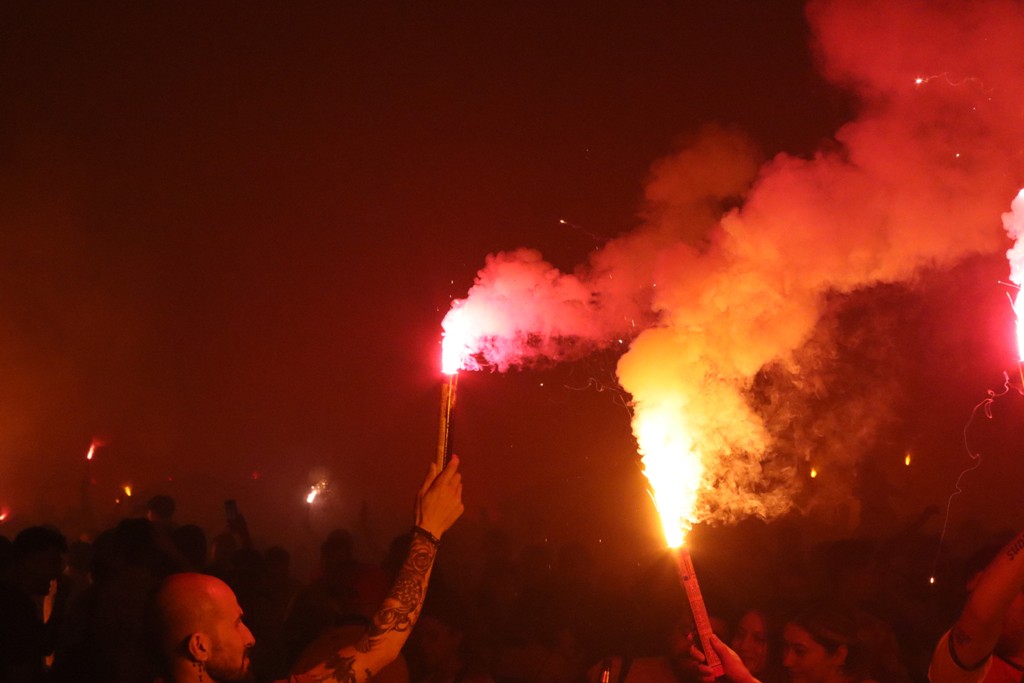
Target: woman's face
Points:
(805, 659)
(751, 641)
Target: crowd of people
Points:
(149, 600)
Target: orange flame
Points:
(672, 466)
(127, 490)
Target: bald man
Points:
(204, 639)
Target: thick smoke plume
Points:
(717, 301)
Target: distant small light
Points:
(127, 490)
(4, 514)
(315, 490)
(256, 475)
(918, 81)
(906, 460)
(814, 473)
(931, 580)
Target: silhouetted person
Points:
(440, 651)
(160, 511)
(25, 641)
(190, 540)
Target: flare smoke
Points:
(710, 298)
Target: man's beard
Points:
(224, 672)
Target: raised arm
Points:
(976, 632)
(438, 505)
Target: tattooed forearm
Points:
(338, 668)
(402, 606)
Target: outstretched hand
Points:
(439, 501)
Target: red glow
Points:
(4, 514)
(1017, 303)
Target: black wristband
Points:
(416, 529)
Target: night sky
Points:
(230, 232)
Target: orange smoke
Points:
(708, 297)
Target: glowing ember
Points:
(814, 473)
(311, 496)
(4, 514)
(127, 488)
(906, 460)
(673, 468)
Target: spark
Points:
(127, 488)
(814, 473)
(906, 460)
(931, 580)
(966, 80)
(316, 490)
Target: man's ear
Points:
(199, 647)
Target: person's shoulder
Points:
(945, 669)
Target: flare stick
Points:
(444, 432)
(688, 579)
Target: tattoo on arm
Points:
(338, 668)
(1014, 549)
(401, 608)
